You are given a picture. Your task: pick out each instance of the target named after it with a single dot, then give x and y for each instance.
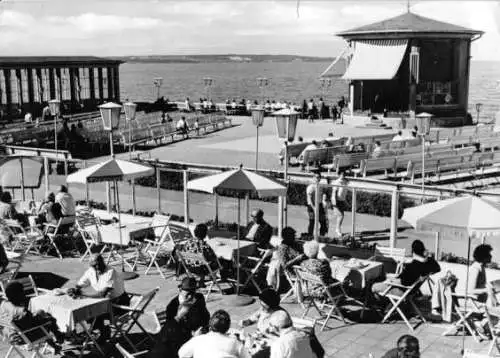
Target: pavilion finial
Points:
(408, 5)
(241, 166)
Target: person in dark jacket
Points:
(186, 315)
(421, 265)
(259, 230)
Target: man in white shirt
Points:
(311, 207)
(28, 117)
(216, 343)
(338, 201)
(377, 151)
(291, 343)
(66, 201)
(105, 282)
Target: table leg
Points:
(88, 332)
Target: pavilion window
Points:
(66, 87)
(24, 86)
(3, 89)
(14, 85)
(104, 93)
(45, 84)
(96, 83)
(37, 93)
(83, 74)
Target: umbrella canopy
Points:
(110, 170)
(469, 214)
(238, 180)
(14, 169)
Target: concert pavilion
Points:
(81, 83)
(410, 64)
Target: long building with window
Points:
(81, 83)
(410, 64)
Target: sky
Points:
(169, 27)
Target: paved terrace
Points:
(339, 340)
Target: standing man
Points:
(338, 201)
(259, 230)
(311, 200)
(66, 201)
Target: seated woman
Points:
(13, 310)
(478, 285)
(316, 267)
(288, 254)
(48, 212)
(269, 303)
(197, 245)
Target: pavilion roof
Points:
(409, 23)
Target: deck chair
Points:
(127, 354)
(383, 253)
(29, 287)
(252, 266)
(396, 300)
(35, 338)
(464, 307)
(160, 317)
(25, 241)
(187, 259)
(493, 317)
(123, 322)
(88, 227)
(164, 244)
(334, 293)
(52, 231)
(13, 268)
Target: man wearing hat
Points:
(187, 315)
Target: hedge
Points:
(378, 204)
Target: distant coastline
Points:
(220, 58)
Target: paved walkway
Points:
(339, 340)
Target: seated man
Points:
(269, 301)
(421, 265)
(14, 311)
(216, 343)
(292, 343)
(104, 282)
(187, 315)
(407, 346)
(259, 230)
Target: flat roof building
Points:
(81, 83)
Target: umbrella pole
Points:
(466, 289)
(23, 195)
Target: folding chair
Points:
(160, 317)
(129, 316)
(15, 264)
(188, 259)
(35, 338)
(493, 327)
(407, 297)
(25, 241)
(88, 227)
(127, 354)
(252, 266)
(463, 308)
(52, 231)
(29, 287)
(334, 293)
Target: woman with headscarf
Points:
(269, 301)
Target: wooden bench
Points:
(375, 165)
(347, 161)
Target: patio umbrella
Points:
(242, 182)
(21, 172)
(111, 170)
(469, 215)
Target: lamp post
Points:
(424, 127)
(55, 110)
(110, 115)
(157, 82)
(258, 114)
(286, 124)
(262, 82)
(130, 109)
(479, 106)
